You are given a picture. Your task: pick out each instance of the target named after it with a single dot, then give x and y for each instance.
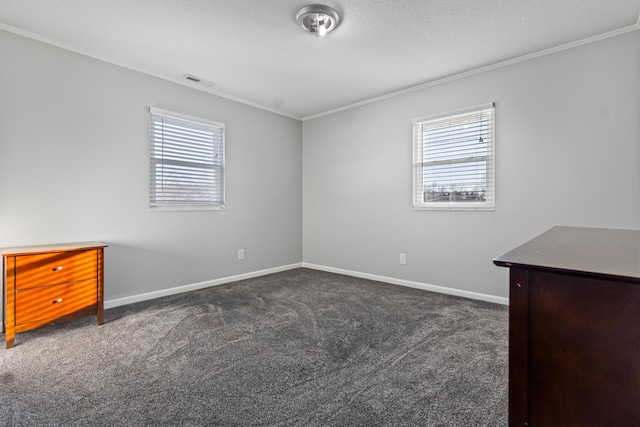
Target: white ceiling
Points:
(254, 51)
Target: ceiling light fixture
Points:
(318, 19)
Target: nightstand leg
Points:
(100, 274)
(9, 320)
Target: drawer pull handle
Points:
(58, 268)
(56, 301)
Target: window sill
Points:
(185, 208)
(454, 208)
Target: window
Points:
(186, 162)
(453, 160)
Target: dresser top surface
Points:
(58, 247)
(594, 251)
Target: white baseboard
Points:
(116, 302)
(410, 284)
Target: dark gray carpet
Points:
(298, 348)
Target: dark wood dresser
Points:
(51, 284)
(574, 328)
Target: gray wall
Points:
(74, 167)
(568, 153)
(333, 191)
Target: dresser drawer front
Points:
(55, 301)
(54, 268)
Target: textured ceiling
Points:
(254, 50)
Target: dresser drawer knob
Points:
(56, 301)
(58, 268)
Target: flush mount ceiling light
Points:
(318, 19)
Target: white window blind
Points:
(453, 160)
(186, 162)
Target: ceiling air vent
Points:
(192, 78)
(195, 79)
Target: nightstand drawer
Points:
(54, 268)
(55, 301)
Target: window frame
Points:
(215, 203)
(457, 117)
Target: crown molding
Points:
(178, 80)
(484, 69)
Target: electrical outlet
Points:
(240, 254)
(403, 259)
